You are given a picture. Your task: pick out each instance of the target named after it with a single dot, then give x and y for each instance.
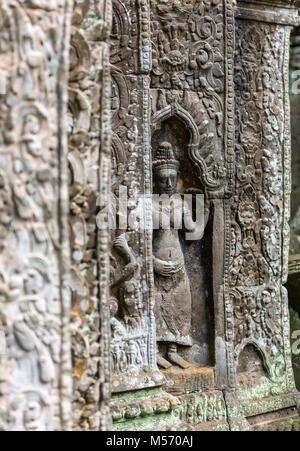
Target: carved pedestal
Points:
(201, 405)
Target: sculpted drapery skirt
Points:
(173, 304)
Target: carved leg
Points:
(161, 361)
(174, 357)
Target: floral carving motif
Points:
(34, 300)
(257, 220)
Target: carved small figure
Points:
(128, 283)
(32, 417)
(118, 332)
(132, 354)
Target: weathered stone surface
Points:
(281, 421)
(173, 327)
(35, 393)
(293, 283)
(194, 379)
(89, 165)
(149, 410)
(219, 302)
(265, 162)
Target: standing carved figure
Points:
(173, 303)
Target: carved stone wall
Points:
(192, 106)
(102, 99)
(294, 80)
(295, 117)
(234, 274)
(89, 168)
(294, 260)
(35, 365)
(259, 218)
(132, 322)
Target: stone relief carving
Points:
(129, 337)
(131, 348)
(89, 104)
(187, 53)
(34, 239)
(203, 408)
(172, 80)
(188, 76)
(129, 290)
(173, 303)
(258, 224)
(197, 100)
(188, 94)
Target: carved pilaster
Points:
(259, 324)
(131, 294)
(35, 367)
(90, 162)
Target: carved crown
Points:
(164, 156)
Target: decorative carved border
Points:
(229, 35)
(35, 243)
(103, 235)
(287, 183)
(66, 364)
(286, 383)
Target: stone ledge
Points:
(282, 420)
(280, 13)
(194, 379)
(254, 407)
(136, 380)
(152, 409)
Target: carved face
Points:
(165, 180)
(33, 282)
(32, 415)
(31, 124)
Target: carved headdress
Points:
(164, 157)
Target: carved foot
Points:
(163, 363)
(174, 357)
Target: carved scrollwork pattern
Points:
(34, 300)
(188, 81)
(89, 106)
(259, 209)
(132, 349)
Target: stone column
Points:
(35, 365)
(259, 355)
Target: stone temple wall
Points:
(36, 385)
(109, 320)
(294, 267)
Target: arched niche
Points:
(197, 153)
(120, 25)
(177, 127)
(252, 361)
